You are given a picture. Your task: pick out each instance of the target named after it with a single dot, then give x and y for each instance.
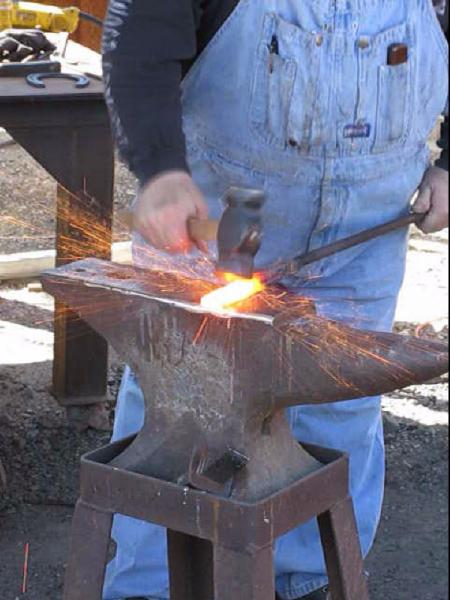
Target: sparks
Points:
(231, 294)
(25, 568)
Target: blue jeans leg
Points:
(139, 567)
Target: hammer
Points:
(238, 232)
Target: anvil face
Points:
(215, 386)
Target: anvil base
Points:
(219, 549)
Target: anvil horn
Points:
(339, 362)
(220, 382)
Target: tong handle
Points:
(349, 242)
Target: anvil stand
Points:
(219, 549)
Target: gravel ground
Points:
(40, 453)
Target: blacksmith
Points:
(326, 105)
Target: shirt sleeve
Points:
(144, 45)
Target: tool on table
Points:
(24, 45)
(24, 69)
(238, 232)
(35, 79)
(33, 15)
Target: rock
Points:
(390, 424)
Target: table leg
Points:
(74, 144)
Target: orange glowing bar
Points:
(230, 294)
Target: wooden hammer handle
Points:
(203, 230)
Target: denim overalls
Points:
(297, 97)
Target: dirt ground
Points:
(40, 452)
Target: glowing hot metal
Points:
(232, 293)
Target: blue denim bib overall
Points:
(297, 97)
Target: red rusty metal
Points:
(219, 548)
(215, 458)
(228, 390)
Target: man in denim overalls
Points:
(301, 99)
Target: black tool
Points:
(292, 266)
(35, 79)
(23, 69)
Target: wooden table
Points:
(67, 131)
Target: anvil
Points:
(216, 385)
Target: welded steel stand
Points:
(219, 549)
(68, 132)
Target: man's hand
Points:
(163, 209)
(433, 200)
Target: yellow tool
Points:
(32, 15)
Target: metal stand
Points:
(68, 132)
(219, 549)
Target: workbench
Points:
(67, 131)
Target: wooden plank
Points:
(24, 265)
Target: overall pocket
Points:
(281, 113)
(395, 96)
(393, 105)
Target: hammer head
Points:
(240, 231)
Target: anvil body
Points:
(215, 384)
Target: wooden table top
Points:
(76, 59)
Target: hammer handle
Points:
(203, 230)
(199, 229)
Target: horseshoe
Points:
(35, 79)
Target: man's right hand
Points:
(163, 208)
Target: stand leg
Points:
(85, 572)
(243, 576)
(190, 567)
(343, 553)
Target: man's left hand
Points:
(433, 200)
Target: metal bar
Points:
(364, 236)
(242, 576)
(228, 522)
(191, 571)
(85, 573)
(343, 558)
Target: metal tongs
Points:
(292, 266)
